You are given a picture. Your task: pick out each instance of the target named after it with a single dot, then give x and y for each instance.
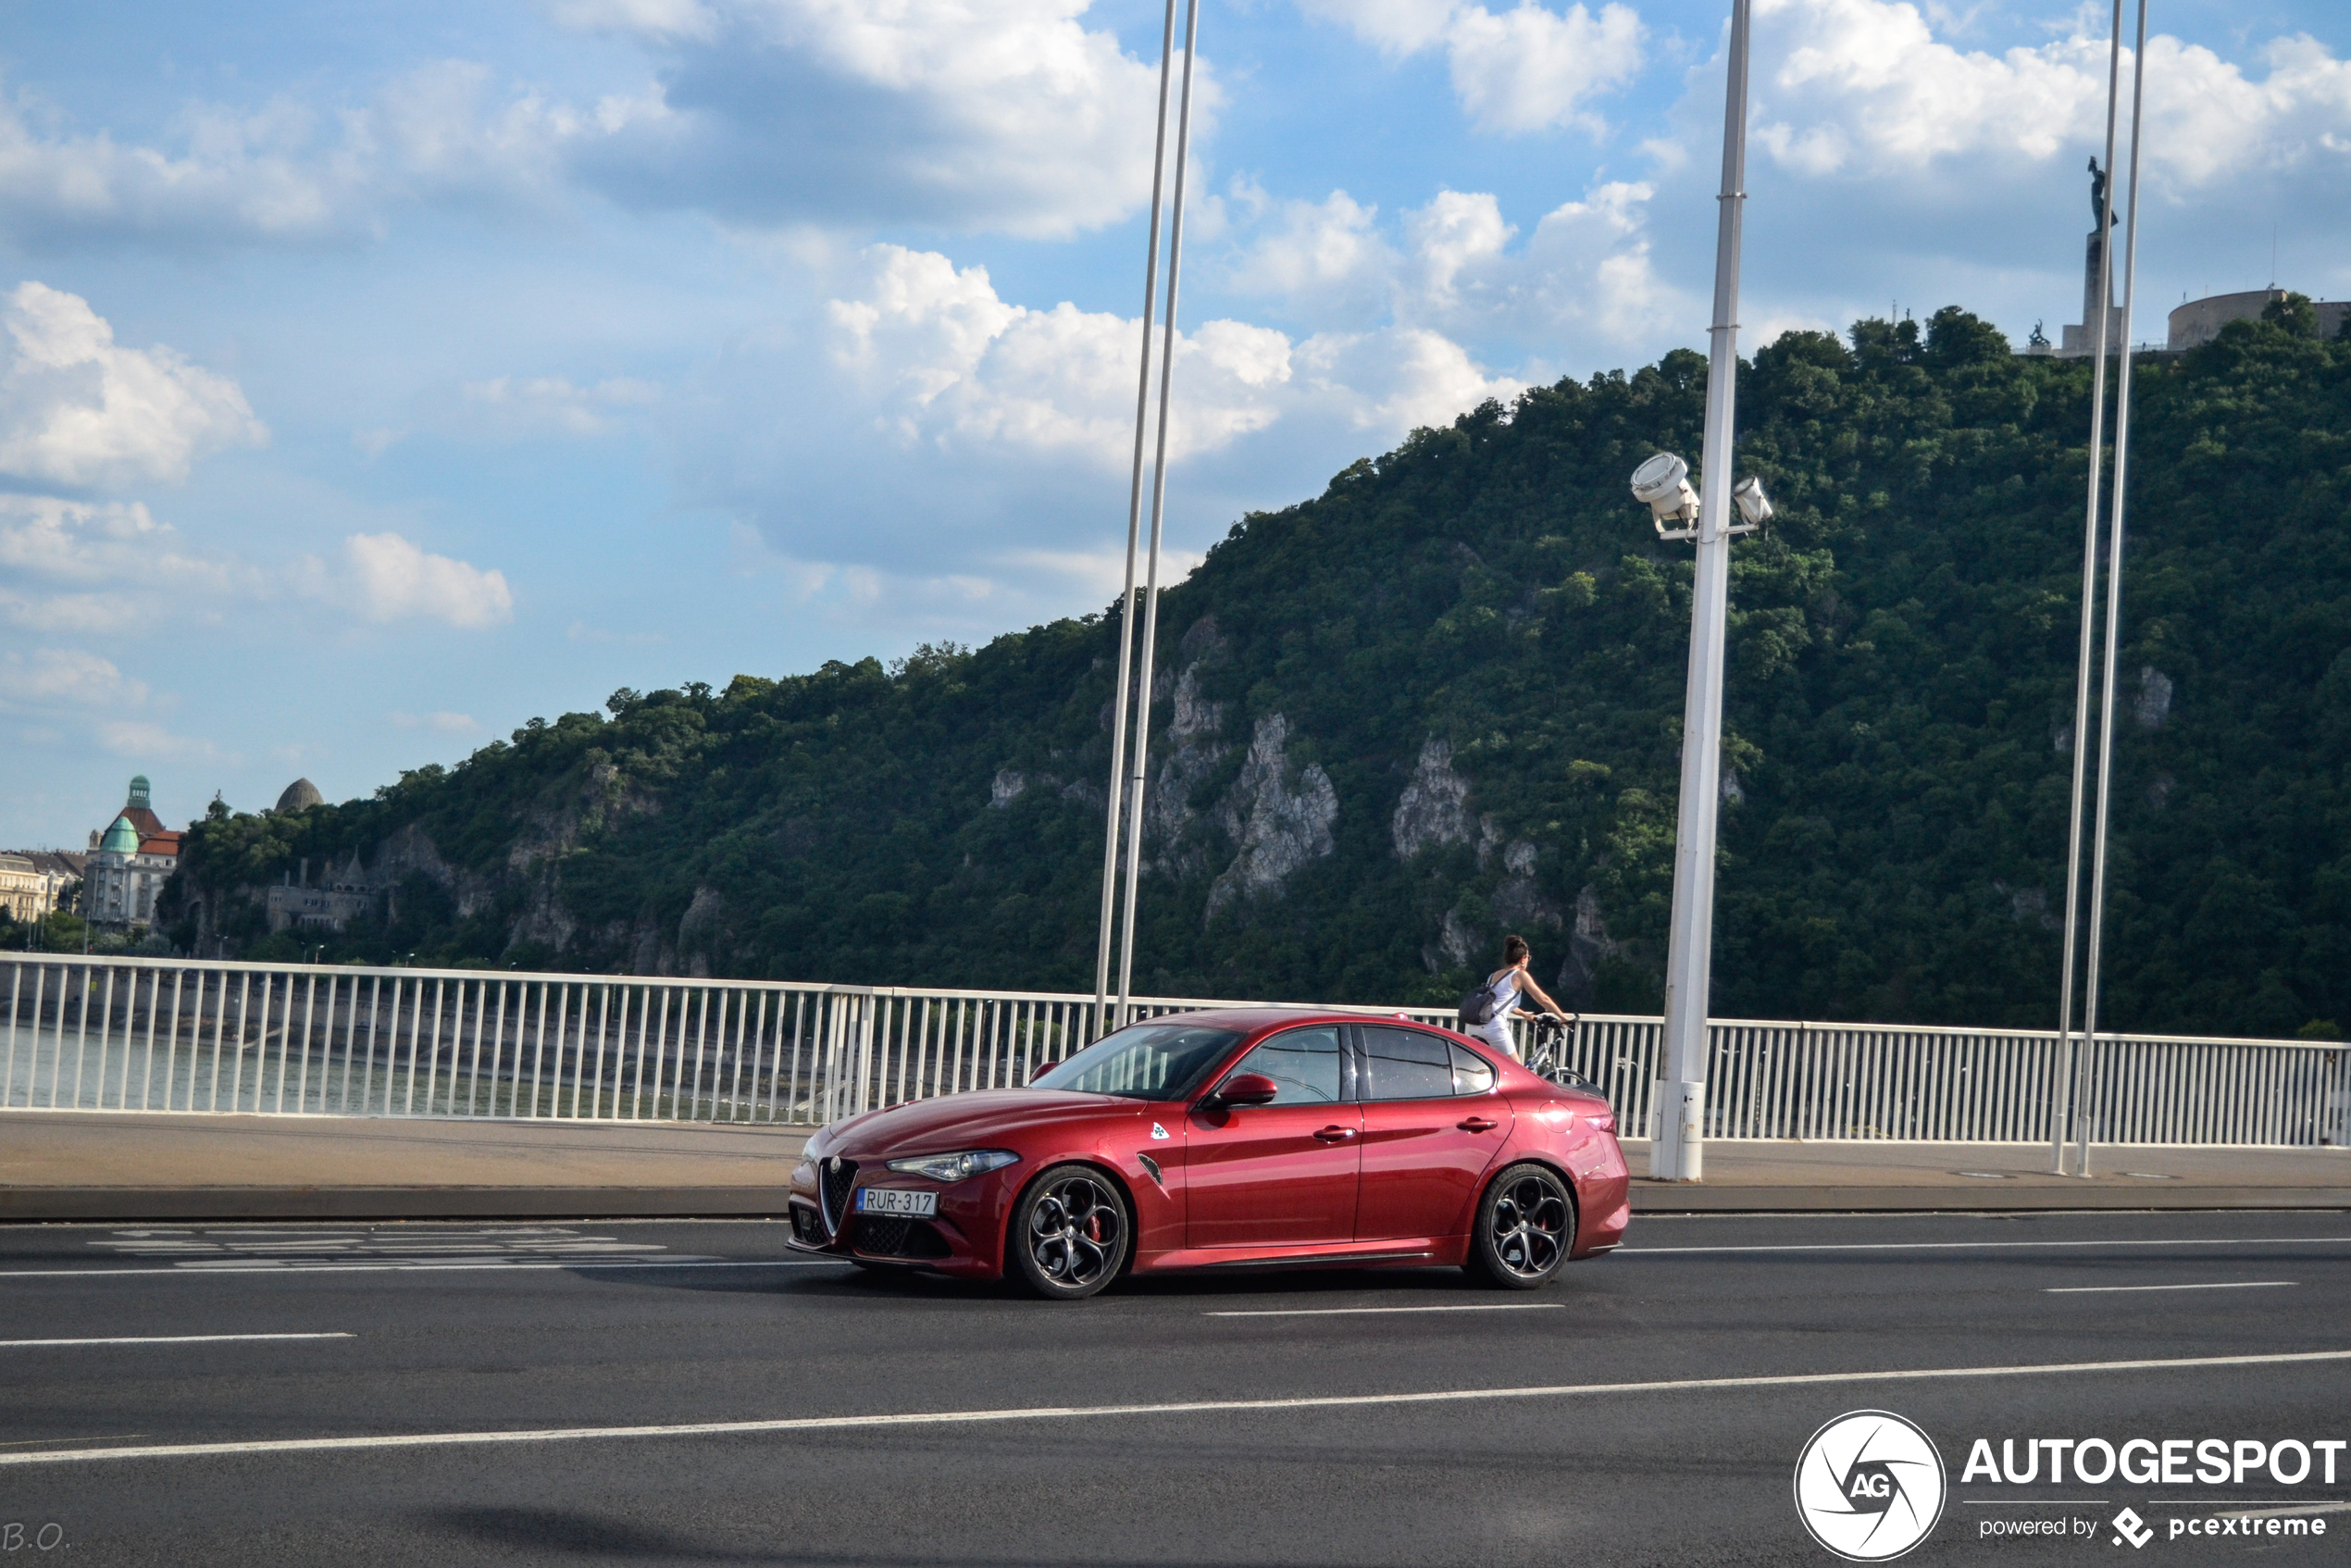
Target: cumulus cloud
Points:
(1525, 69)
(391, 579)
(110, 565)
(76, 408)
(1007, 115)
(291, 173)
(949, 365)
(448, 723)
(1858, 88)
(998, 115)
(1582, 284)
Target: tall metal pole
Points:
(1677, 1148)
(1159, 509)
(2066, 1066)
(1134, 518)
(2113, 603)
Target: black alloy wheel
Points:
(1069, 1233)
(1525, 1227)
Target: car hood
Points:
(982, 1119)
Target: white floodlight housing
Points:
(1663, 485)
(1752, 505)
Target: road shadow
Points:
(531, 1532)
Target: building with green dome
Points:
(128, 864)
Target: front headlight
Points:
(955, 1168)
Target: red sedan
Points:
(1248, 1138)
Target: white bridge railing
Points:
(131, 1034)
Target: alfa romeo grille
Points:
(840, 1176)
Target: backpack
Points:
(1477, 1007)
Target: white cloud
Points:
(1525, 69)
(659, 19)
(393, 579)
(1864, 88)
(1008, 116)
(143, 739)
(114, 567)
(67, 678)
(946, 362)
(512, 406)
(1581, 284)
(1530, 70)
(449, 723)
(76, 408)
(1326, 252)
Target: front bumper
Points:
(964, 1238)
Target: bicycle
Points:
(1547, 1046)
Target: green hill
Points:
(1441, 700)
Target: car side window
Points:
(1471, 1073)
(1303, 1062)
(1407, 1065)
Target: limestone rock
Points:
(1435, 808)
(1279, 830)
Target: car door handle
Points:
(1335, 1134)
(1479, 1123)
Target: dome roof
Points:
(300, 795)
(121, 839)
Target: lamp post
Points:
(1677, 1113)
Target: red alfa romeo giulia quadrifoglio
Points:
(1249, 1138)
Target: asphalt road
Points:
(444, 1332)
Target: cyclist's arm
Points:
(1526, 983)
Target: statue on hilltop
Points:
(2099, 212)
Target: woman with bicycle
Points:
(1508, 984)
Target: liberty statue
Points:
(2100, 213)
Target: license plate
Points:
(896, 1201)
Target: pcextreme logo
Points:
(1870, 1485)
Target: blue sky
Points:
(380, 377)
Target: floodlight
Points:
(1752, 505)
(1663, 485)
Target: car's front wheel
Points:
(1069, 1233)
(1526, 1226)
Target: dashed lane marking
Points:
(1356, 1311)
(1976, 1246)
(2125, 1289)
(164, 1339)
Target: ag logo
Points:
(1869, 1486)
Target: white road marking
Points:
(263, 1268)
(1349, 1311)
(164, 1339)
(1190, 1406)
(2285, 1511)
(1945, 1246)
(2119, 1289)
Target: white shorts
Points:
(1497, 1033)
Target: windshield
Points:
(1154, 1061)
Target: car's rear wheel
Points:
(1526, 1226)
(1069, 1233)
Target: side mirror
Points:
(1247, 1088)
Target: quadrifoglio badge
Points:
(1870, 1485)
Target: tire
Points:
(1526, 1228)
(1070, 1233)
